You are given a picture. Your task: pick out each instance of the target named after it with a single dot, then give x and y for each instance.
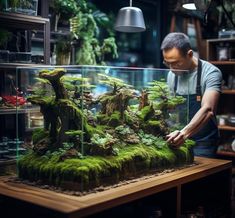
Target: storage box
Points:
(4, 56)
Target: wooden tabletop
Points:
(96, 202)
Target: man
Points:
(204, 90)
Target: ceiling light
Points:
(130, 19)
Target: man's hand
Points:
(209, 102)
(176, 138)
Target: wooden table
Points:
(181, 182)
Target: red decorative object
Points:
(14, 100)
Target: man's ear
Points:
(190, 53)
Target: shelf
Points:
(221, 40)
(225, 127)
(228, 91)
(15, 65)
(31, 129)
(222, 62)
(23, 21)
(226, 153)
(26, 22)
(7, 162)
(35, 39)
(19, 111)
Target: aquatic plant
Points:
(103, 146)
(123, 130)
(60, 113)
(159, 95)
(118, 98)
(151, 140)
(126, 135)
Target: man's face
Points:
(176, 61)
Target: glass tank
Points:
(82, 127)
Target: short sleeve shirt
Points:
(211, 79)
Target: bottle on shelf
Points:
(222, 51)
(156, 213)
(200, 212)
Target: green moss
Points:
(115, 115)
(41, 100)
(94, 130)
(96, 170)
(39, 134)
(146, 113)
(113, 120)
(154, 123)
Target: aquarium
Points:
(83, 127)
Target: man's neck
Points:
(194, 64)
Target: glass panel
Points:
(28, 7)
(8, 107)
(89, 126)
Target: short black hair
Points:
(176, 40)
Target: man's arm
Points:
(208, 107)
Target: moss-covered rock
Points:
(146, 113)
(92, 171)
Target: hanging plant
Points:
(63, 9)
(86, 22)
(63, 50)
(85, 27)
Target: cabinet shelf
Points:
(228, 91)
(26, 22)
(15, 65)
(19, 111)
(226, 153)
(219, 49)
(223, 62)
(226, 127)
(23, 21)
(218, 40)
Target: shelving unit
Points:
(225, 127)
(26, 22)
(229, 92)
(221, 52)
(16, 121)
(19, 111)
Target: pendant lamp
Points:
(130, 19)
(189, 4)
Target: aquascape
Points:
(91, 139)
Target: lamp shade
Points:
(130, 19)
(202, 5)
(189, 4)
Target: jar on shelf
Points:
(222, 51)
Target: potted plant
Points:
(63, 50)
(86, 26)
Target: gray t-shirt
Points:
(211, 79)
